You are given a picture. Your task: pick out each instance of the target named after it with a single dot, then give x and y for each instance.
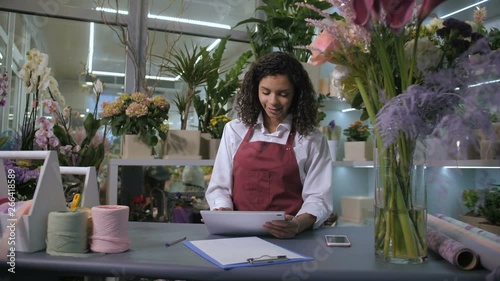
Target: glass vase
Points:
(400, 202)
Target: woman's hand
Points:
(222, 209)
(291, 226)
(283, 229)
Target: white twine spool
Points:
(110, 229)
(67, 233)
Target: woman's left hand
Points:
(287, 228)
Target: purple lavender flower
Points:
(449, 103)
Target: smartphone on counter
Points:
(337, 241)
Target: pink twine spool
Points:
(110, 229)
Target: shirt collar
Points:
(284, 126)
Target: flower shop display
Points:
(411, 81)
(357, 147)
(140, 120)
(47, 123)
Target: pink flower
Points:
(362, 10)
(323, 44)
(399, 12)
(427, 7)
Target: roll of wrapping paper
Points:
(487, 250)
(486, 234)
(451, 250)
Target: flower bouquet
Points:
(138, 114)
(411, 81)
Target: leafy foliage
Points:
(283, 28)
(194, 67)
(491, 208)
(218, 91)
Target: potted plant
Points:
(356, 148)
(194, 66)
(215, 129)
(332, 133)
(490, 210)
(218, 90)
(470, 199)
(139, 119)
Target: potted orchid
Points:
(381, 48)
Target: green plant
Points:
(138, 114)
(194, 67)
(491, 207)
(283, 28)
(218, 91)
(470, 200)
(357, 131)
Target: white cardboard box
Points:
(357, 208)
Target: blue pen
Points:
(171, 243)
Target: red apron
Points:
(266, 177)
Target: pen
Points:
(171, 243)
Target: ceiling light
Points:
(213, 45)
(1, 57)
(470, 167)
(485, 83)
(348, 109)
(91, 48)
(113, 11)
(463, 9)
(107, 73)
(190, 21)
(163, 78)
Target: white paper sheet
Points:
(237, 250)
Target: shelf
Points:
(161, 162)
(458, 164)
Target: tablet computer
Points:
(239, 222)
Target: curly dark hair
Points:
(304, 107)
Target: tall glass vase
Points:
(400, 202)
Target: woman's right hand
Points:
(222, 209)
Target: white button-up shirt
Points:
(313, 159)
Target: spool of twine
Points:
(67, 233)
(110, 229)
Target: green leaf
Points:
(3, 140)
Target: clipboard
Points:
(244, 252)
